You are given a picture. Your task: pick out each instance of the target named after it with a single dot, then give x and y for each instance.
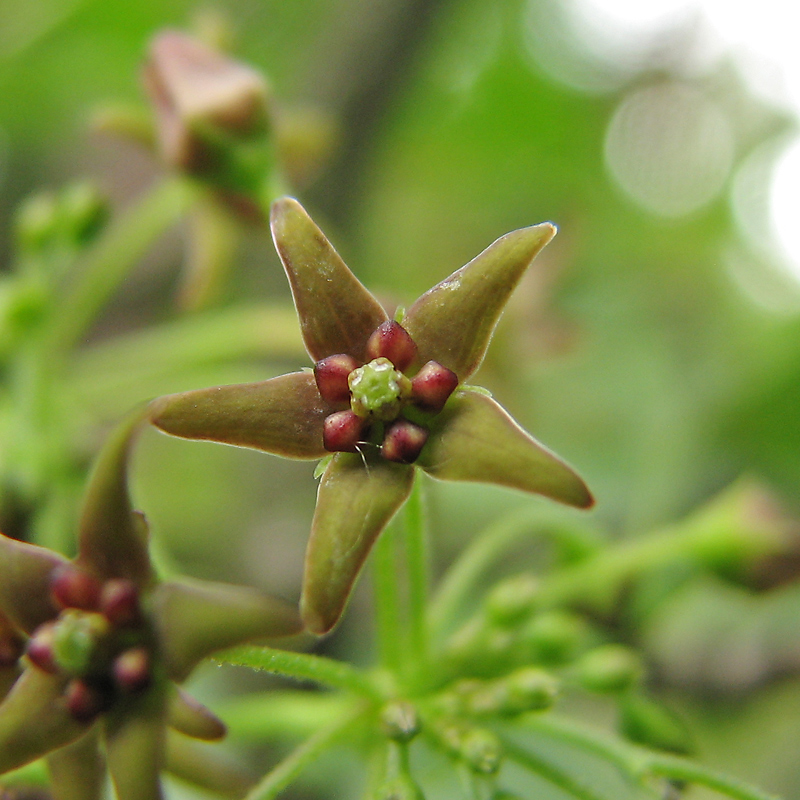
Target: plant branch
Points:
(417, 560)
(385, 571)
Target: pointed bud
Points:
(512, 599)
(132, 670)
(482, 750)
(71, 587)
(41, 648)
(391, 340)
(119, 602)
(331, 375)
(85, 702)
(399, 721)
(404, 442)
(608, 669)
(432, 386)
(342, 431)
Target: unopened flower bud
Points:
(403, 442)
(342, 431)
(77, 635)
(331, 375)
(644, 721)
(432, 386)
(85, 701)
(391, 340)
(608, 669)
(554, 637)
(512, 599)
(119, 602)
(399, 721)
(482, 750)
(71, 587)
(132, 670)
(41, 648)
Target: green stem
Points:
(417, 561)
(301, 667)
(111, 258)
(385, 570)
(550, 773)
(287, 770)
(637, 763)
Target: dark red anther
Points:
(41, 648)
(85, 701)
(119, 602)
(71, 587)
(132, 670)
(331, 375)
(432, 386)
(391, 340)
(342, 431)
(403, 442)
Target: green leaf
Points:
(34, 720)
(357, 498)
(474, 439)
(197, 618)
(25, 571)
(112, 539)
(283, 416)
(337, 313)
(453, 322)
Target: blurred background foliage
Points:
(655, 345)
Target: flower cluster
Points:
(106, 640)
(385, 396)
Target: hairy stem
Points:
(301, 667)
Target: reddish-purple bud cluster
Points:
(120, 661)
(345, 431)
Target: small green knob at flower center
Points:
(77, 634)
(378, 390)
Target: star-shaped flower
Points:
(385, 396)
(106, 640)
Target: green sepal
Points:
(283, 416)
(34, 720)
(77, 771)
(192, 718)
(207, 767)
(25, 571)
(474, 439)
(134, 733)
(112, 542)
(195, 619)
(357, 497)
(453, 322)
(337, 313)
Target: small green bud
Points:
(83, 210)
(399, 721)
(512, 599)
(482, 750)
(36, 221)
(608, 669)
(647, 722)
(554, 637)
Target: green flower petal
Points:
(77, 771)
(474, 439)
(337, 314)
(283, 415)
(134, 734)
(198, 618)
(357, 498)
(453, 322)
(25, 571)
(112, 539)
(34, 720)
(191, 717)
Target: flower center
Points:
(76, 637)
(378, 390)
